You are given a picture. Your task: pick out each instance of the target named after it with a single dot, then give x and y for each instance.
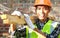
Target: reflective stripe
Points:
(54, 24)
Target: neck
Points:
(43, 20)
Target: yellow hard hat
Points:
(43, 2)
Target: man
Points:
(51, 29)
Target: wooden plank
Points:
(13, 19)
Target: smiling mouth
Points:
(42, 16)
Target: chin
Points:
(41, 18)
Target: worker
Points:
(49, 27)
(43, 25)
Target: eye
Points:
(46, 8)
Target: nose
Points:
(41, 11)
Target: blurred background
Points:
(24, 6)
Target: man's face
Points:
(42, 12)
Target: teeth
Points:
(41, 16)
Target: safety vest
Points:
(48, 29)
